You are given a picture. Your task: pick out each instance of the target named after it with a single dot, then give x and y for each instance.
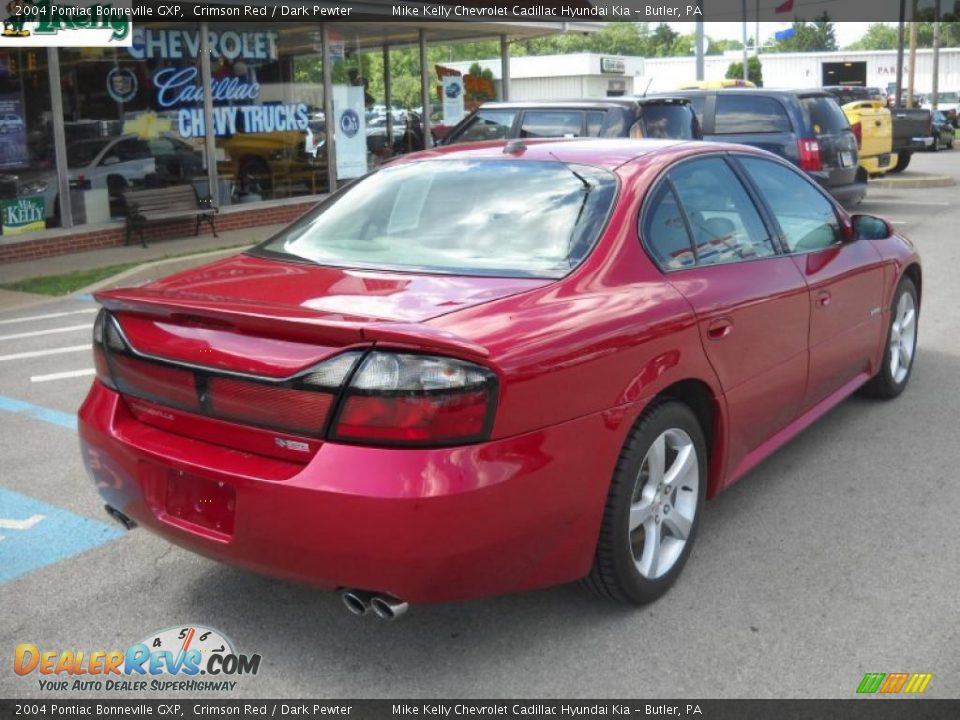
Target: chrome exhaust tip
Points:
(388, 608)
(128, 523)
(356, 601)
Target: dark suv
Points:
(807, 127)
(648, 117)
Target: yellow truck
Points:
(872, 123)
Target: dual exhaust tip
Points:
(360, 602)
(128, 523)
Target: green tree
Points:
(879, 36)
(754, 71)
(809, 36)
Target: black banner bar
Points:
(855, 709)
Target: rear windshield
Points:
(738, 114)
(668, 121)
(823, 115)
(512, 218)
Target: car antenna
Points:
(581, 178)
(647, 88)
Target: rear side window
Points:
(737, 114)
(487, 125)
(806, 217)
(823, 115)
(551, 123)
(665, 233)
(668, 121)
(725, 223)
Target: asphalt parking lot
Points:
(834, 558)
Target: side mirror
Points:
(870, 227)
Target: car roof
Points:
(608, 153)
(583, 103)
(795, 92)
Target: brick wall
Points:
(78, 241)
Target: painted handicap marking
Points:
(10, 524)
(54, 417)
(37, 534)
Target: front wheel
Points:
(901, 346)
(903, 160)
(653, 506)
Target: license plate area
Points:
(883, 160)
(199, 503)
(846, 159)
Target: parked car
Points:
(942, 130)
(851, 93)
(650, 117)
(911, 132)
(805, 127)
(474, 372)
(717, 84)
(10, 122)
(947, 102)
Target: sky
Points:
(847, 32)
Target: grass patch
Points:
(68, 282)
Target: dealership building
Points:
(81, 127)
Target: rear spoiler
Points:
(283, 322)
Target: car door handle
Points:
(823, 298)
(719, 328)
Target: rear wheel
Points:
(901, 346)
(653, 507)
(903, 160)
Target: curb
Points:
(912, 182)
(100, 284)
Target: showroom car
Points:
(492, 368)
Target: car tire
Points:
(658, 487)
(903, 160)
(900, 349)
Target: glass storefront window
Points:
(28, 175)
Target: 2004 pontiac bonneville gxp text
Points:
(489, 368)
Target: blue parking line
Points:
(34, 534)
(84, 297)
(54, 417)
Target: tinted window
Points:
(665, 233)
(806, 217)
(132, 149)
(595, 123)
(551, 123)
(697, 104)
(668, 121)
(823, 115)
(737, 113)
(487, 125)
(477, 217)
(725, 223)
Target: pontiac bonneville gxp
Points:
(490, 368)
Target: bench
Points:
(168, 203)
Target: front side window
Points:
(738, 114)
(487, 125)
(806, 217)
(725, 223)
(476, 217)
(551, 124)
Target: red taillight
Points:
(858, 134)
(152, 381)
(809, 154)
(405, 399)
(297, 411)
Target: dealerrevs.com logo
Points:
(81, 23)
(188, 658)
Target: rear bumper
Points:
(422, 525)
(851, 193)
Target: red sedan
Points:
(493, 368)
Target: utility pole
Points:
(913, 52)
(699, 49)
(746, 64)
(899, 88)
(934, 100)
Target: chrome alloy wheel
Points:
(903, 337)
(664, 503)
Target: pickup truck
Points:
(911, 132)
(872, 123)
